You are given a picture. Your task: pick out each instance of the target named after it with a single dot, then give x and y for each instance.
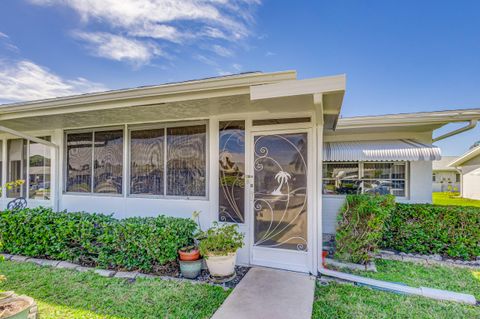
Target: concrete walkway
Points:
(268, 293)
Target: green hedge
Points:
(95, 239)
(452, 231)
(360, 226)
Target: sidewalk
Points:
(269, 293)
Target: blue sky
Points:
(399, 56)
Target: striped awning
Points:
(384, 150)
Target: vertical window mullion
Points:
(92, 178)
(361, 175)
(26, 174)
(165, 174)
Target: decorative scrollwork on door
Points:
(280, 191)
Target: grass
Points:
(348, 301)
(447, 198)
(68, 294)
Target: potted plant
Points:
(190, 261)
(189, 253)
(219, 246)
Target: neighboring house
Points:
(263, 150)
(445, 178)
(469, 166)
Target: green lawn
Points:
(68, 294)
(453, 199)
(347, 301)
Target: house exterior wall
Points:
(471, 178)
(123, 206)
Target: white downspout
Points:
(471, 125)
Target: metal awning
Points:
(384, 150)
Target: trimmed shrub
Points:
(360, 226)
(94, 239)
(452, 231)
(143, 243)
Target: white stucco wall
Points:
(471, 178)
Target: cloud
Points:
(5, 42)
(174, 21)
(237, 67)
(119, 48)
(24, 80)
(221, 50)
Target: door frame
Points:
(269, 254)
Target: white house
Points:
(469, 166)
(264, 150)
(445, 178)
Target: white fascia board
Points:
(174, 91)
(465, 157)
(325, 84)
(409, 119)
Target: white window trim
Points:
(361, 178)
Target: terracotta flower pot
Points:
(16, 307)
(194, 254)
(221, 266)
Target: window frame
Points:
(65, 156)
(165, 126)
(360, 165)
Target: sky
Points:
(398, 56)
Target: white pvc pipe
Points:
(422, 291)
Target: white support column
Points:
(4, 169)
(213, 168)
(318, 104)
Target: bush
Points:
(220, 240)
(142, 243)
(360, 226)
(94, 239)
(452, 231)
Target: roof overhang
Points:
(421, 121)
(327, 94)
(474, 152)
(146, 96)
(267, 93)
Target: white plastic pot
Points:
(221, 266)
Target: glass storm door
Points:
(280, 201)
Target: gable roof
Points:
(474, 152)
(443, 164)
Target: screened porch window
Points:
(95, 162)
(365, 178)
(232, 172)
(31, 162)
(168, 161)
